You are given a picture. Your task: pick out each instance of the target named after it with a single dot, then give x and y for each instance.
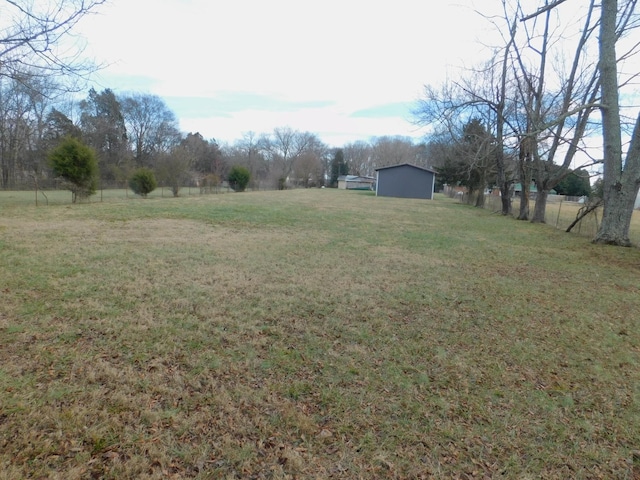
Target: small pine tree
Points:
(338, 167)
(239, 178)
(142, 182)
(76, 163)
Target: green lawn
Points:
(311, 334)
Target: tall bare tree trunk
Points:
(505, 190)
(524, 203)
(541, 206)
(481, 198)
(470, 192)
(501, 174)
(524, 165)
(620, 180)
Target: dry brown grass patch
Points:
(312, 335)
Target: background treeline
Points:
(465, 160)
(134, 130)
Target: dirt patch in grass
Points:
(312, 334)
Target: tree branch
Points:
(542, 10)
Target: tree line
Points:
(466, 159)
(529, 113)
(41, 78)
(130, 131)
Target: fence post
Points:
(558, 217)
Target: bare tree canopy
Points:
(33, 35)
(151, 126)
(540, 90)
(283, 147)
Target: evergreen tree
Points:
(239, 178)
(76, 163)
(338, 167)
(576, 184)
(142, 182)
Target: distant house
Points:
(355, 182)
(533, 190)
(405, 181)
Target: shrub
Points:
(142, 182)
(239, 178)
(76, 163)
(173, 170)
(209, 183)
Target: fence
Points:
(54, 192)
(561, 213)
(61, 196)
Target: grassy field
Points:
(312, 334)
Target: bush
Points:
(142, 182)
(239, 178)
(76, 163)
(209, 183)
(173, 170)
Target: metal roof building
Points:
(405, 181)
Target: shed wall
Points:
(405, 182)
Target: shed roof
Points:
(351, 178)
(408, 165)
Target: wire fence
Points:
(55, 192)
(562, 211)
(43, 197)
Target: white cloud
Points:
(331, 126)
(356, 55)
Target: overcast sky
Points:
(343, 69)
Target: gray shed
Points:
(405, 181)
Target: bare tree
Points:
(24, 105)
(205, 155)
(395, 150)
(484, 94)
(559, 115)
(249, 153)
(621, 179)
(151, 126)
(542, 87)
(308, 166)
(173, 169)
(282, 147)
(358, 156)
(32, 42)
(35, 61)
(557, 102)
(15, 120)
(500, 108)
(307, 169)
(254, 160)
